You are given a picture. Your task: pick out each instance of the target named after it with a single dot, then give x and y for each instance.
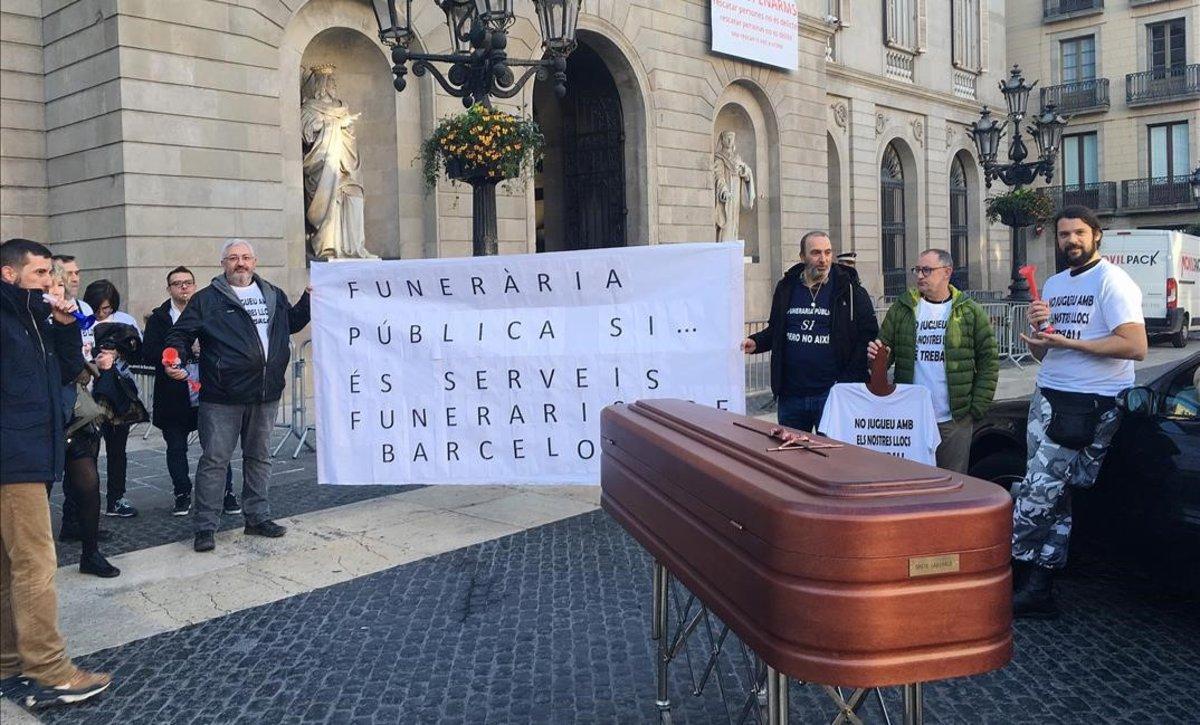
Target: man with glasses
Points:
(821, 321)
(243, 324)
(943, 340)
(175, 403)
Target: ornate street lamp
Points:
(1046, 131)
(479, 67)
(1194, 182)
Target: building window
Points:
(959, 225)
(1080, 162)
(965, 40)
(1167, 45)
(891, 194)
(900, 27)
(1078, 57)
(1169, 150)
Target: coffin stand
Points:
(834, 564)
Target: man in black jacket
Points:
(821, 321)
(174, 403)
(37, 358)
(243, 324)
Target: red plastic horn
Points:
(1028, 272)
(170, 358)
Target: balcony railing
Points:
(1063, 9)
(1078, 97)
(1100, 197)
(964, 84)
(1163, 85)
(1164, 192)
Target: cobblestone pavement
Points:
(551, 625)
(294, 490)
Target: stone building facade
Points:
(138, 134)
(1128, 74)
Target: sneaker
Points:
(80, 687)
(14, 687)
(183, 504)
(268, 528)
(95, 563)
(204, 541)
(231, 504)
(121, 507)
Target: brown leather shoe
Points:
(80, 687)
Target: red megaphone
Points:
(1028, 272)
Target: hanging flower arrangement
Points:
(1020, 207)
(481, 144)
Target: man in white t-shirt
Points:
(243, 324)
(1098, 332)
(942, 339)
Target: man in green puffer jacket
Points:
(942, 339)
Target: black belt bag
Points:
(1074, 417)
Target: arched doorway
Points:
(960, 229)
(361, 73)
(893, 222)
(579, 189)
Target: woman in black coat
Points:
(104, 299)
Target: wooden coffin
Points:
(856, 569)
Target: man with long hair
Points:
(1095, 312)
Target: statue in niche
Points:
(333, 196)
(734, 187)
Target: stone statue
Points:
(333, 197)
(734, 187)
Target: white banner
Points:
(495, 369)
(764, 31)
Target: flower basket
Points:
(1020, 208)
(481, 145)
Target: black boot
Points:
(1020, 573)
(1035, 597)
(95, 563)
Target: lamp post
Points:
(480, 69)
(1046, 131)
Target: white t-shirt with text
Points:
(253, 301)
(901, 424)
(930, 370)
(1089, 306)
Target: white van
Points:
(1166, 265)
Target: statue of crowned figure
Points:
(333, 195)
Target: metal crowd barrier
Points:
(143, 377)
(293, 418)
(298, 426)
(1007, 318)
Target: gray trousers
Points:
(220, 428)
(954, 452)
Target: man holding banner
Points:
(821, 321)
(243, 324)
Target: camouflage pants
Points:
(1042, 500)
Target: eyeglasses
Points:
(234, 259)
(925, 271)
(182, 283)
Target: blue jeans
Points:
(802, 412)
